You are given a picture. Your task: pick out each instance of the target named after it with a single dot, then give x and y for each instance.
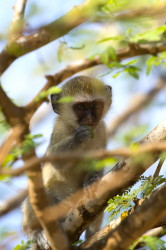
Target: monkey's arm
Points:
(80, 134)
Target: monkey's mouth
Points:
(92, 125)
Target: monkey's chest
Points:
(63, 183)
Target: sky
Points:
(27, 74)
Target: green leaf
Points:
(108, 55)
(154, 243)
(118, 38)
(77, 243)
(112, 53)
(23, 245)
(27, 145)
(117, 74)
(66, 99)
(46, 93)
(115, 65)
(53, 90)
(124, 202)
(153, 35)
(60, 51)
(150, 63)
(41, 96)
(107, 162)
(131, 62)
(132, 71)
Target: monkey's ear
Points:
(54, 102)
(109, 88)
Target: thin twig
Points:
(159, 166)
(97, 154)
(19, 10)
(17, 23)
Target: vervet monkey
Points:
(72, 131)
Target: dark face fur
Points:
(88, 113)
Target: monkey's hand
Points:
(82, 133)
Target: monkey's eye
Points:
(81, 107)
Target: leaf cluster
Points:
(150, 242)
(110, 55)
(148, 37)
(155, 61)
(97, 165)
(46, 93)
(125, 201)
(16, 153)
(23, 245)
(133, 134)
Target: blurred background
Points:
(26, 76)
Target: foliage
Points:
(96, 165)
(23, 245)
(125, 201)
(155, 61)
(150, 242)
(132, 134)
(109, 54)
(27, 145)
(46, 93)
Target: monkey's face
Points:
(91, 101)
(88, 112)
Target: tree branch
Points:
(21, 45)
(137, 223)
(17, 23)
(39, 202)
(96, 154)
(13, 202)
(159, 166)
(12, 111)
(152, 11)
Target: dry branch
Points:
(20, 45)
(16, 25)
(19, 9)
(152, 11)
(46, 34)
(9, 109)
(159, 166)
(106, 231)
(137, 223)
(39, 202)
(96, 154)
(13, 202)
